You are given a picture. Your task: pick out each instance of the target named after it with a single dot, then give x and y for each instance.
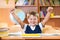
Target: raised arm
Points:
(49, 11)
(18, 19)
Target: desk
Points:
(15, 29)
(30, 38)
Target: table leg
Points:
(0, 38)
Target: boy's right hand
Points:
(12, 11)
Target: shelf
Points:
(53, 17)
(49, 2)
(26, 6)
(50, 5)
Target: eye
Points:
(30, 18)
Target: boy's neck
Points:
(32, 25)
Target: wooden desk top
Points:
(42, 37)
(15, 29)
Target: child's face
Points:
(32, 20)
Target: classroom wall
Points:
(5, 11)
(4, 16)
(3, 4)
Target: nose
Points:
(32, 20)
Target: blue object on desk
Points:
(20, 14)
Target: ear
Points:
(28, 19)
(27, 15)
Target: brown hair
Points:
(33, 13)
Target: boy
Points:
(34, 26)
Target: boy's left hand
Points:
(50, 9)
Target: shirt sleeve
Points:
(41, 26)
(25, 27)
